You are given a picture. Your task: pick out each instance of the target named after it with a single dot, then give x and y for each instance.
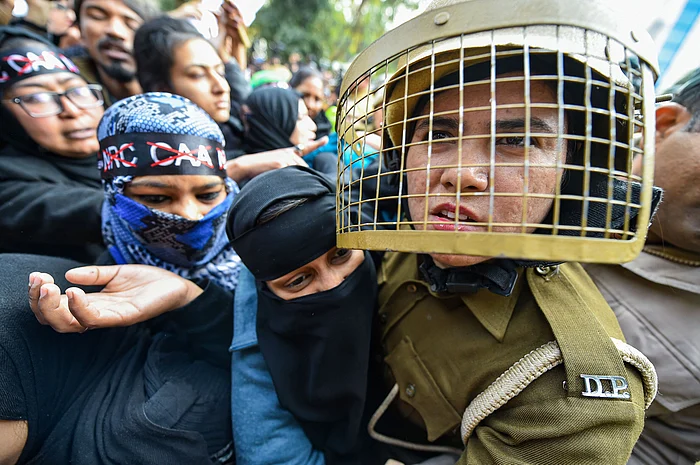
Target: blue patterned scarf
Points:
(135, 233)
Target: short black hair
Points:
(686, 92)
(146, 9)
(154, 48)
(304, 73)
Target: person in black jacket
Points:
(50, 196)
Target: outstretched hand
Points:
(131, 294)
(250, 165)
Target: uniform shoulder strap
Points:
(533, 365)
(582, 323)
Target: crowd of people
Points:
(172, 289)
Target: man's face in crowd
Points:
(108, 28)
(677, 171)
(476, 179)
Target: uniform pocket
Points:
(418, 388)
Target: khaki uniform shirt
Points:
(443, 350)
(656, 298)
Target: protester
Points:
(107, 28)
(50, 196)
(159, 392)
(309, 83)
(314, 305)
(62, 24)
(318, 367)
(656, 297)
(277, 118)
(172, 56)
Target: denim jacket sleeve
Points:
(263, 431)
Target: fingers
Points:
(36, 280)
(314, 145)
(297, 160)
(80, 309)
(53, 307)
(92, 275)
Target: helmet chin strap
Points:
(498, 276)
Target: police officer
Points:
(509, 138)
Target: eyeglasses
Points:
(43, 104)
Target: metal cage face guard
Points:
(500, 139)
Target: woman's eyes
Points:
(340, 256)
(436, 135)
(298, 282)
(153, 199)
(209, 196)
(514, 141)
(39, 97)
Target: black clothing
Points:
(119, 395)
(316, 346)
(35, 28)
(272, 119)
(233, 129)
(323, 126)
(50, 205)
(317, 349)
(310, 226)
(234, 133)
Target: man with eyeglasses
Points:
(107, 28)
(50, 191)
(656, 297)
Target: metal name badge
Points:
(596, 386)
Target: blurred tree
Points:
(332, 29)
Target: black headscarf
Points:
(272, 118)
(316, 346)
(33, 56)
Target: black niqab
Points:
(317, 346)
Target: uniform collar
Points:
(669, 266)
(493, 311)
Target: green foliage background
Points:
(331, 29)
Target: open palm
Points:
(131, 294)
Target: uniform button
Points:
(411, 288)
(547, 272)
(382, 318)
(411, 390)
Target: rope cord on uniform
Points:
(397, 442)
(533, 365)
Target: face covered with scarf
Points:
(315, 302)
(277, 118)
(166, 191)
